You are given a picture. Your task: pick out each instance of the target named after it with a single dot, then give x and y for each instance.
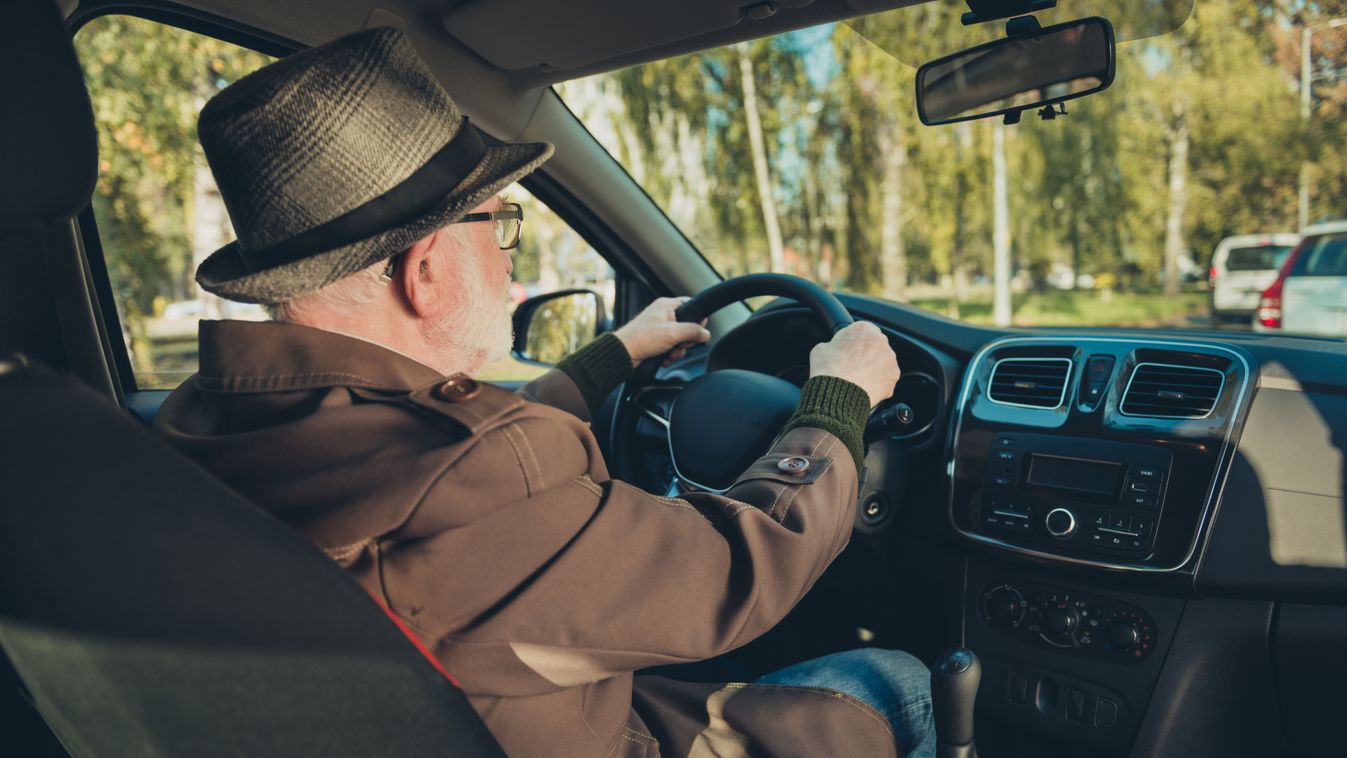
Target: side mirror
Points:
(1028, 70)
(550, 327)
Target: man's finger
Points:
(688, 332)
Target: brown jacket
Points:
(487, 521)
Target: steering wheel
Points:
(722, 421)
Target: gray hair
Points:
(360, 288)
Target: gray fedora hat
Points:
(338, 157)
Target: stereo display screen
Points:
(1100, 477)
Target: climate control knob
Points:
(1122, 635)
(1060, 620)
(1002, 604)
(1061, 523)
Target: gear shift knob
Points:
(954, 687)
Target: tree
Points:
(147, 82)
(760, 168)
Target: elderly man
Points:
(368, 220)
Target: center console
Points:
(1095, 451)
(1086, 470)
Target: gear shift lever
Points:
(954, 687)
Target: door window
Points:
(159, 212)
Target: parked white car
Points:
(1309, 296)
(1241, 268)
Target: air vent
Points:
(1162, 390)
(1030, 382)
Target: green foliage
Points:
(147, 82)
(1091, 191)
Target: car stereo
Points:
(1081, 494)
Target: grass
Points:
(1081, 308)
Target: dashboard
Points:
(1109, 518)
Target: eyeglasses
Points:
(509, 230)
(509, 224)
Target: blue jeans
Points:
(890, 681)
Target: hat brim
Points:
(224, 273)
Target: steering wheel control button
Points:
(458, 389)
(793, 465)
(1061, 523)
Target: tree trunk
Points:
(1075, 251)
(892, 257)
(1178, 199)
(756, 144)
(1001, 306)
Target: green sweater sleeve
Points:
(597, 368)
(837, 406)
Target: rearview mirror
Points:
(1036, 68)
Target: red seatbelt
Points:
(402, 627)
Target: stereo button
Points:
(1139, 501)
(1005, 456)
(1146, 472)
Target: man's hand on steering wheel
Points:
(860, 354)
(657, 330)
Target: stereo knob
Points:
(1061, 523)
(1122, 635)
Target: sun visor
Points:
(926, 31)
(522, 34)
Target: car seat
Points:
(147, 609)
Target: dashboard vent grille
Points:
(1030, 382)
(1161, 390)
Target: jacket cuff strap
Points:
(597, 368)
(835, 406)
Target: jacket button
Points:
(458, 389)
(793, 465)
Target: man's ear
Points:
(419, 277)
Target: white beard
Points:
(480, 330)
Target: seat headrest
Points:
(48, 141)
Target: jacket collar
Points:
(240, 357)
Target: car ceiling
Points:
(532, 43)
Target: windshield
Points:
(1261, 258)
(802, 153)
(1325, 256)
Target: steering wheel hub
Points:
(721, 423)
